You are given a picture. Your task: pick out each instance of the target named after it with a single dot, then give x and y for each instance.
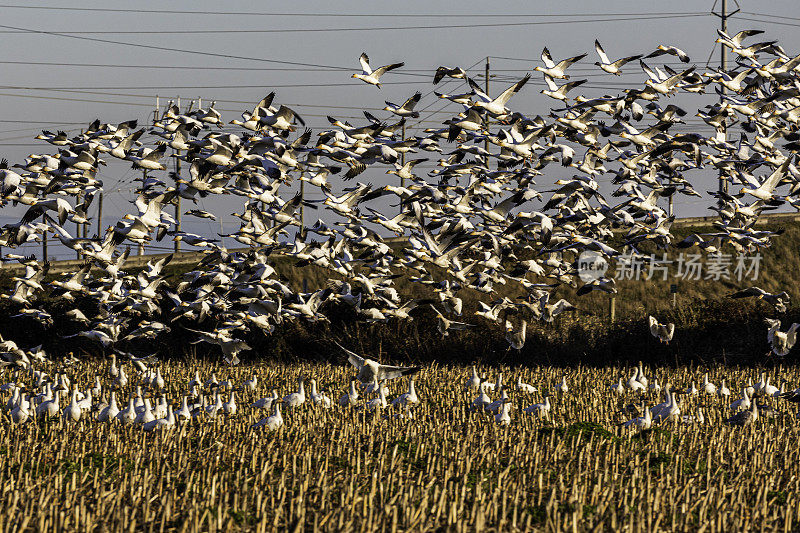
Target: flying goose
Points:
(369, 369)
(663, 332)
(556, 70)
(612, 67)
(370, 76)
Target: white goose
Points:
(525, 387)
(295, 399)
(406, 398)
(708, 387)
(742, 403)
(370, 76)
(318, 398)
(640, 422)
(349, 398)
(539, 409)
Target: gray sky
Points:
(66, 96)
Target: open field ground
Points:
(444, 468)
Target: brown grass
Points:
(447, 469)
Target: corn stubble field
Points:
(446, 468)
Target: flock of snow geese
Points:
(210, 400)
(478, 220)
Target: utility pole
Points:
(486, 74)
(723, 63)
(44, 241)
(100, 215)
(302, 205)
(402, 164)
(178, 198)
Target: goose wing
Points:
(364, 60)
(355, 359)
(508, 93)
(387, 372)
(377, 73)
(601, 52)
(547, 59)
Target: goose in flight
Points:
(496, 106)
(612, 67)
(781, 341)
(455, 72)
(671, 50)
(373, 76)
(559, 93)
(407, 108)
(663, 332)
(556, 70)
(779, 301)
(369, 370)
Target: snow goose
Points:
(559, 93)
(612, 67)
(708, 387)
(167, 422)
(768, 389)
(556, 70)
(503, 416)
(640, 377)
(72, 412)
(671, 50)
(407, 108)
(184, 411)
(781, 341)
(146, 415)
(128, 415)
(496, 106)
(371, 387)
(21, 413)
(663, 332)
(634, 384)
(455, 72)
(251, 383)
(524, 387)
(699, 418)
(473, 382)
(351, 397)
(272, 422)
(750, 388)
(640, 422)
(723, 391)
(380, 401)
(742, 403)
(539, 409)
(482, 400)
(370, 76)
(318, 398)
(109, 412)
(746, 417)
(409, 397)
(296, 399)
(49, 408)
(516, 337)
(369, 369)
(230, 406)
(494, 407)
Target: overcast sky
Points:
(66, 93)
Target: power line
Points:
(365, 28)
(338, 15)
